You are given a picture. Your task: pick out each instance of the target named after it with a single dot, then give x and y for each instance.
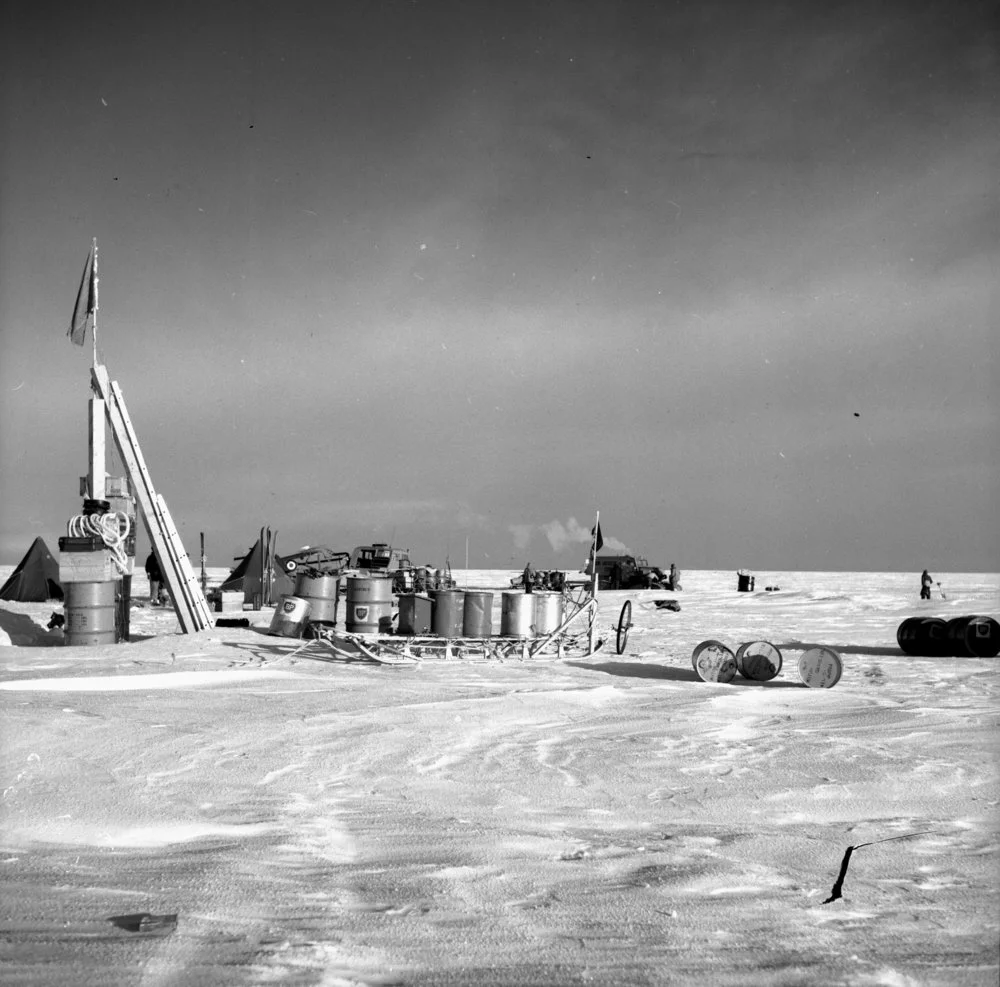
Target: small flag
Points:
(84, 312)
(595, 533)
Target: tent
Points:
(247, 576)
(36, 578)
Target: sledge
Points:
(574, 638)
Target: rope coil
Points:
(112, 528)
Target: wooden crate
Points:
(86, 567)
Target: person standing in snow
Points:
(925, 585)
(155, 577)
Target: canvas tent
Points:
(248, 576)
(36, 578)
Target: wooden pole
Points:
(96, 469)
(204, 578)
(594, 579)
(97, 305)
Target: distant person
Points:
(925, 585)
(528, 578)
(675, 577)
(155, 577)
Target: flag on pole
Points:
(85, 310)
(595, 533)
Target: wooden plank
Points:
(191, 606)
(96, 473)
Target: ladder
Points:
(189, 600)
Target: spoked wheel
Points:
(624, 623)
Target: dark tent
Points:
(247, 576)
(36, 579)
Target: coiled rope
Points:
(112, 529)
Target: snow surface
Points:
(600, 820)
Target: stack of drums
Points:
(960, 637)
(322, 593)
(89, 609)
(449, 612)
(477, 614)
(369, 605)
(517, 614)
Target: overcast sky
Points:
(448, 272)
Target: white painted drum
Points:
(714, 662)
(548, 612)
(758, 660)
(289, 617)
(820, 668)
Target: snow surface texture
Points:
(210, 809)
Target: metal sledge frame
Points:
(397, 649)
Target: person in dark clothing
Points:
(925, 585)
(155, 577)
(528, 578)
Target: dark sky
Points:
(435, 272)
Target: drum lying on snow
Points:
(758, 660)
(820, 668)
(924, 636)
(973, 637)
(714, 662)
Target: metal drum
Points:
(323, 594)
(415, 613)
(477, 614)
(517, 614)
(548, 613)
(369, 605)
(449, 612)
(290, 617)
(89, 610)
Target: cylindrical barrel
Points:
(820, 668)
(415, 613)
(924, 636)
(973, 637)
(758, 660)
(714, 662)
(369, 605)
(548, 613)
(477, 614)
(449, 612)
(517, 614)
(323, 594)
(290, 617)
(89, 613)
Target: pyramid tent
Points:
(36, 578)
(247, 576)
